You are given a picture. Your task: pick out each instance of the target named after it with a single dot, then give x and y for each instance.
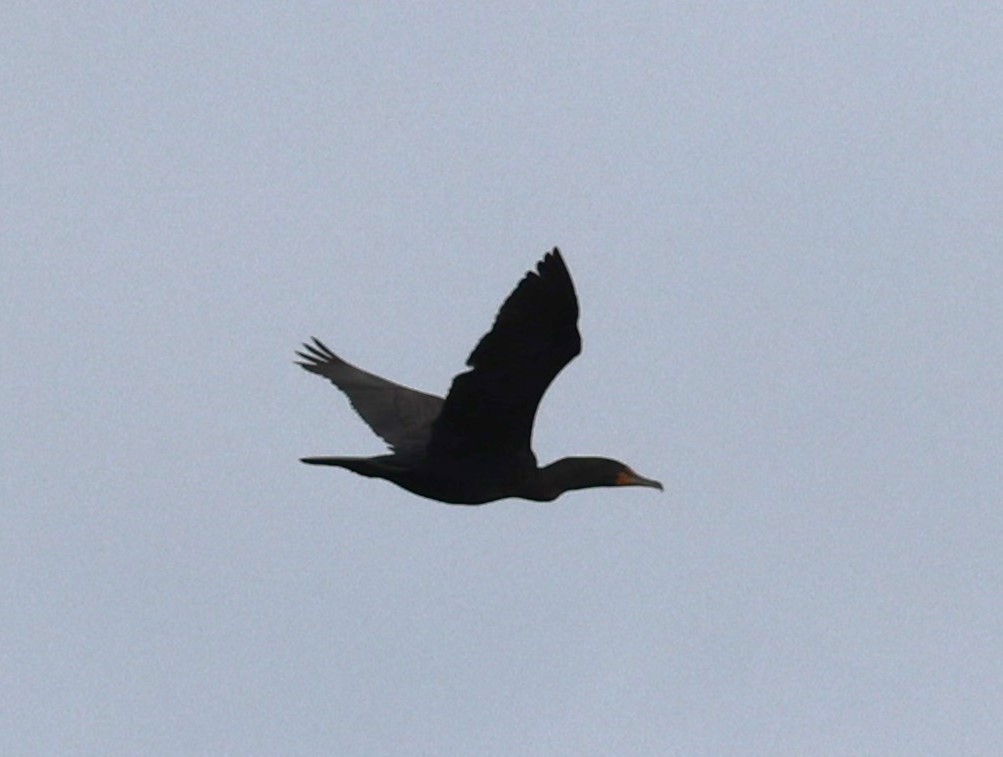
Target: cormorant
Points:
(474, 446)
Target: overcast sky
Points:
(784, 225)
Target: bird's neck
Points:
(566, 474)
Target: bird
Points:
(474, 446)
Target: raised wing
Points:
(490, 409)
(401, 416)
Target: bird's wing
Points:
(401, 416)
(490, 409)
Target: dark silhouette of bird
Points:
(473, 446)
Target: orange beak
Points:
(629, 478)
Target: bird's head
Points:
(615, 473)
(586, 473)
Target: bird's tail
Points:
(365, 466)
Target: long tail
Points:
(374, 467)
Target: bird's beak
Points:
(629, 478)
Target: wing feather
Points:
(402, 416)
(490, 409)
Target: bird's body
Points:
(473, 446)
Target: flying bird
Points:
(474, 446)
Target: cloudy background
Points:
(784, 223)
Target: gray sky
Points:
(783, 221)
